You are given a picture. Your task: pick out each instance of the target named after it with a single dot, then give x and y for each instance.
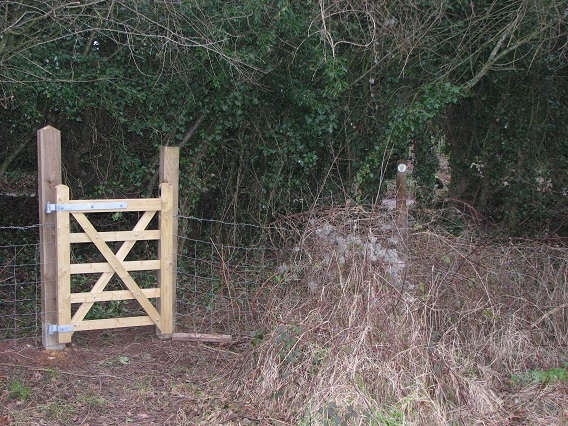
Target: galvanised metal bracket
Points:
(50, 208)
(54, 328)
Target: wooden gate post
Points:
(401, 208)
(169, 174)
(49, 176)
(63, 262)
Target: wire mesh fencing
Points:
(20, 283)
(221, 268)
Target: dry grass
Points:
(361, 327)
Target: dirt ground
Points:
(123, 377)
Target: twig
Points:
(258, 292)
(48, 370)
(549, 313)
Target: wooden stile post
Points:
(166, 278)
(169, 174)
(49, 176)
(402, 209)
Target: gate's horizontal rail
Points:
(134, 205)
(106, 296)
(134, 265)
(113, 323)
(81, 237)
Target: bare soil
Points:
(124, 377)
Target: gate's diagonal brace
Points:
(117, 266)
(106, 276)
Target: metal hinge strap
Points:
(54, 328)
(50, 208)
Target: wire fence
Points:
(20, 301)
(223, 266)
(220, 267)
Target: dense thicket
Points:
(281, 104)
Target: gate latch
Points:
(54, 328)
(50, 208)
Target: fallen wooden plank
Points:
(207, 338)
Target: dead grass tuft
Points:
(359, 326)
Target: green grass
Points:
(18, 389)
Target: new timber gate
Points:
(59, 320)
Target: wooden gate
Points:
(60, 320)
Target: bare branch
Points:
(32, 26)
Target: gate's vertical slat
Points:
(165, 281)
(49, 175)
(169, 173)
(63, 254)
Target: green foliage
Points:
(112, 309)
(415, 127)
(288, 337)
(333, 415)
(257, 337)
(506, 146)
(542, 376)
(18, 389)
(277, 105)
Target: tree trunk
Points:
(460, 136)
(22, 144)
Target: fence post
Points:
(401, 208)
(49, 176)
(169, 174)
